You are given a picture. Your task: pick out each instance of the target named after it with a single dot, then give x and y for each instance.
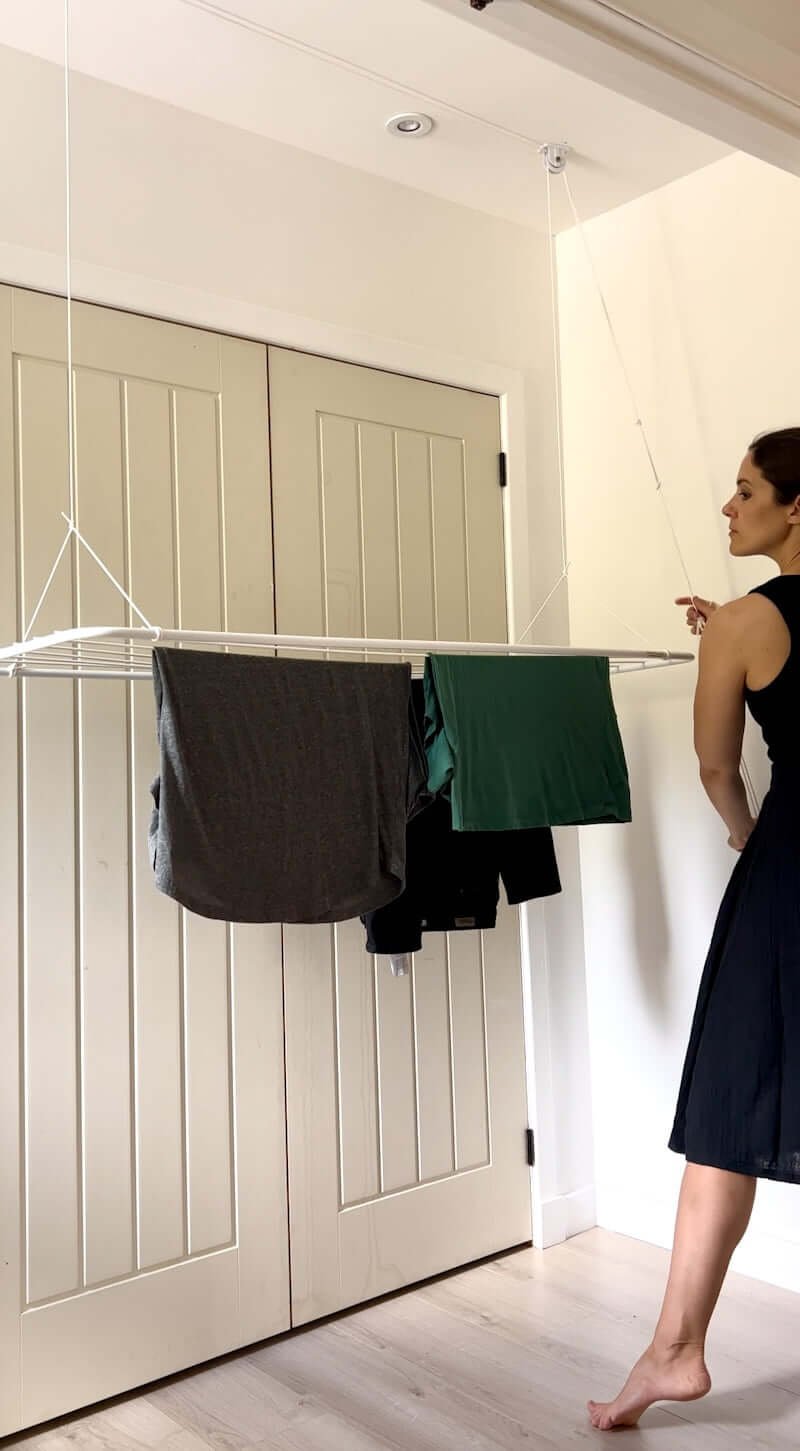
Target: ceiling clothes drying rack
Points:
(125, 652)
(109, 652)
(119, 652)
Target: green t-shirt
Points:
(522, 740)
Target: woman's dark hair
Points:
(777, 456)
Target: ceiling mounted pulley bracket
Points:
(554, 156)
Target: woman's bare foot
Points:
(678, 1374)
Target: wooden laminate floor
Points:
(501, 1355)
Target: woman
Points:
(738, 1111)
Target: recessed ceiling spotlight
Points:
(411, 124)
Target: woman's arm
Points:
(719, 712)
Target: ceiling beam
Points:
(611, 45)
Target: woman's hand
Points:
(698, 612)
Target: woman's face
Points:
(758, 523)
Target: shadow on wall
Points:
(649, 919)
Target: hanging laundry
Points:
(284, 785)
(523, 741)
(453, 877)
(419, 795)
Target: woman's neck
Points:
(788, 559)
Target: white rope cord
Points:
(604, 609)
(746, 777)
(50, 579)
(72, 529)
(68, 279)
(645, 641)
(559, 428)
(68, 282)
(557, 356)
(68, 262)
(542, 606)
(626, 376)
(107, 572)
(565, 563)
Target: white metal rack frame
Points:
(124, 653)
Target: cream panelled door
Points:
(143, 1217)
(406, 1096)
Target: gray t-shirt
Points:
(283, 787)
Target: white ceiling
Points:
(324, 75)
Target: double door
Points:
(182, 1101)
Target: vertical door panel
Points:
(148, 1112)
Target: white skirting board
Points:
(562, 1216)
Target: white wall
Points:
(703, 286)
(181, 217)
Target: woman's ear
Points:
(794, 515)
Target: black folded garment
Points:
(453, 877)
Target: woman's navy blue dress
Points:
(739, 1099)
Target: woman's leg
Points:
(713, 1213)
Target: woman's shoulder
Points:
(760, 620)
(753, 614)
